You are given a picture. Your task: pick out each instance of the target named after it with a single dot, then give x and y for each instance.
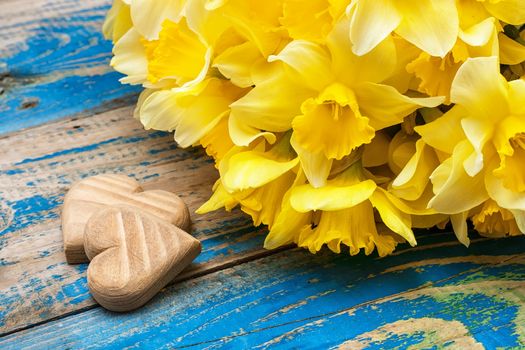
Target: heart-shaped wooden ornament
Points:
(133, 255)
(90, 195)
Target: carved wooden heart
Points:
(92, 194)
(133, 255)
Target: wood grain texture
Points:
(133, 254)
(37, 168)
(54, 62)
(53, 65)
(90, 195)
(439, 294)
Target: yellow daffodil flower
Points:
(340, 122)
(175, 109)
(158, 63)
(342, 212)
(483, 134)
(331, 98)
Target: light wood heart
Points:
(90, 195)
(133, 255)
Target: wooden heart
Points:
(92, 194)
(133, 255)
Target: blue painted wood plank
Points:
(40, 165)
(439, 294)
(56, 64)
(53, 65)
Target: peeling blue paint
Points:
(27, 211)
(44, 253)
(150, 176)
(74, 51)
(272, 300)
(75, 288)
(69, 151)
(13, 171)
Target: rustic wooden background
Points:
(64, 116)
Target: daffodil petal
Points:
(257, 22)
(459, 224)
(252, 169)
(430, 25)
(413, 178)
(444, 133)
(480, 33)
(509, 11)
(510, 51)
(204, 20)
(400, 150)
(519, 216)
(450, 178)
(219, 199)
(130, 58)
(235, 63)
(478, 133)
(273, 103)
(316, 166)
(480, 77)
(428, 221)
(310, 63)
(329, 198)
(409, 170)
(142, 98)
(392, 217)
(191, 112)
(505, 197)
(217, 141)
(159, 111)
(289, 222)
(350, 69)
(371, 22)
(117, 22)
(263, 204)
(148, 16)
(406, 53)
(385, 106)
(242, 134)
(414, 208)
(517, 96)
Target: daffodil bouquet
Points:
(340, 122)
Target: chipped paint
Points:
(270, 303)
(30, 239)
(63, 52)
(451, 334)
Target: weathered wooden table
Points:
(64, 116)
